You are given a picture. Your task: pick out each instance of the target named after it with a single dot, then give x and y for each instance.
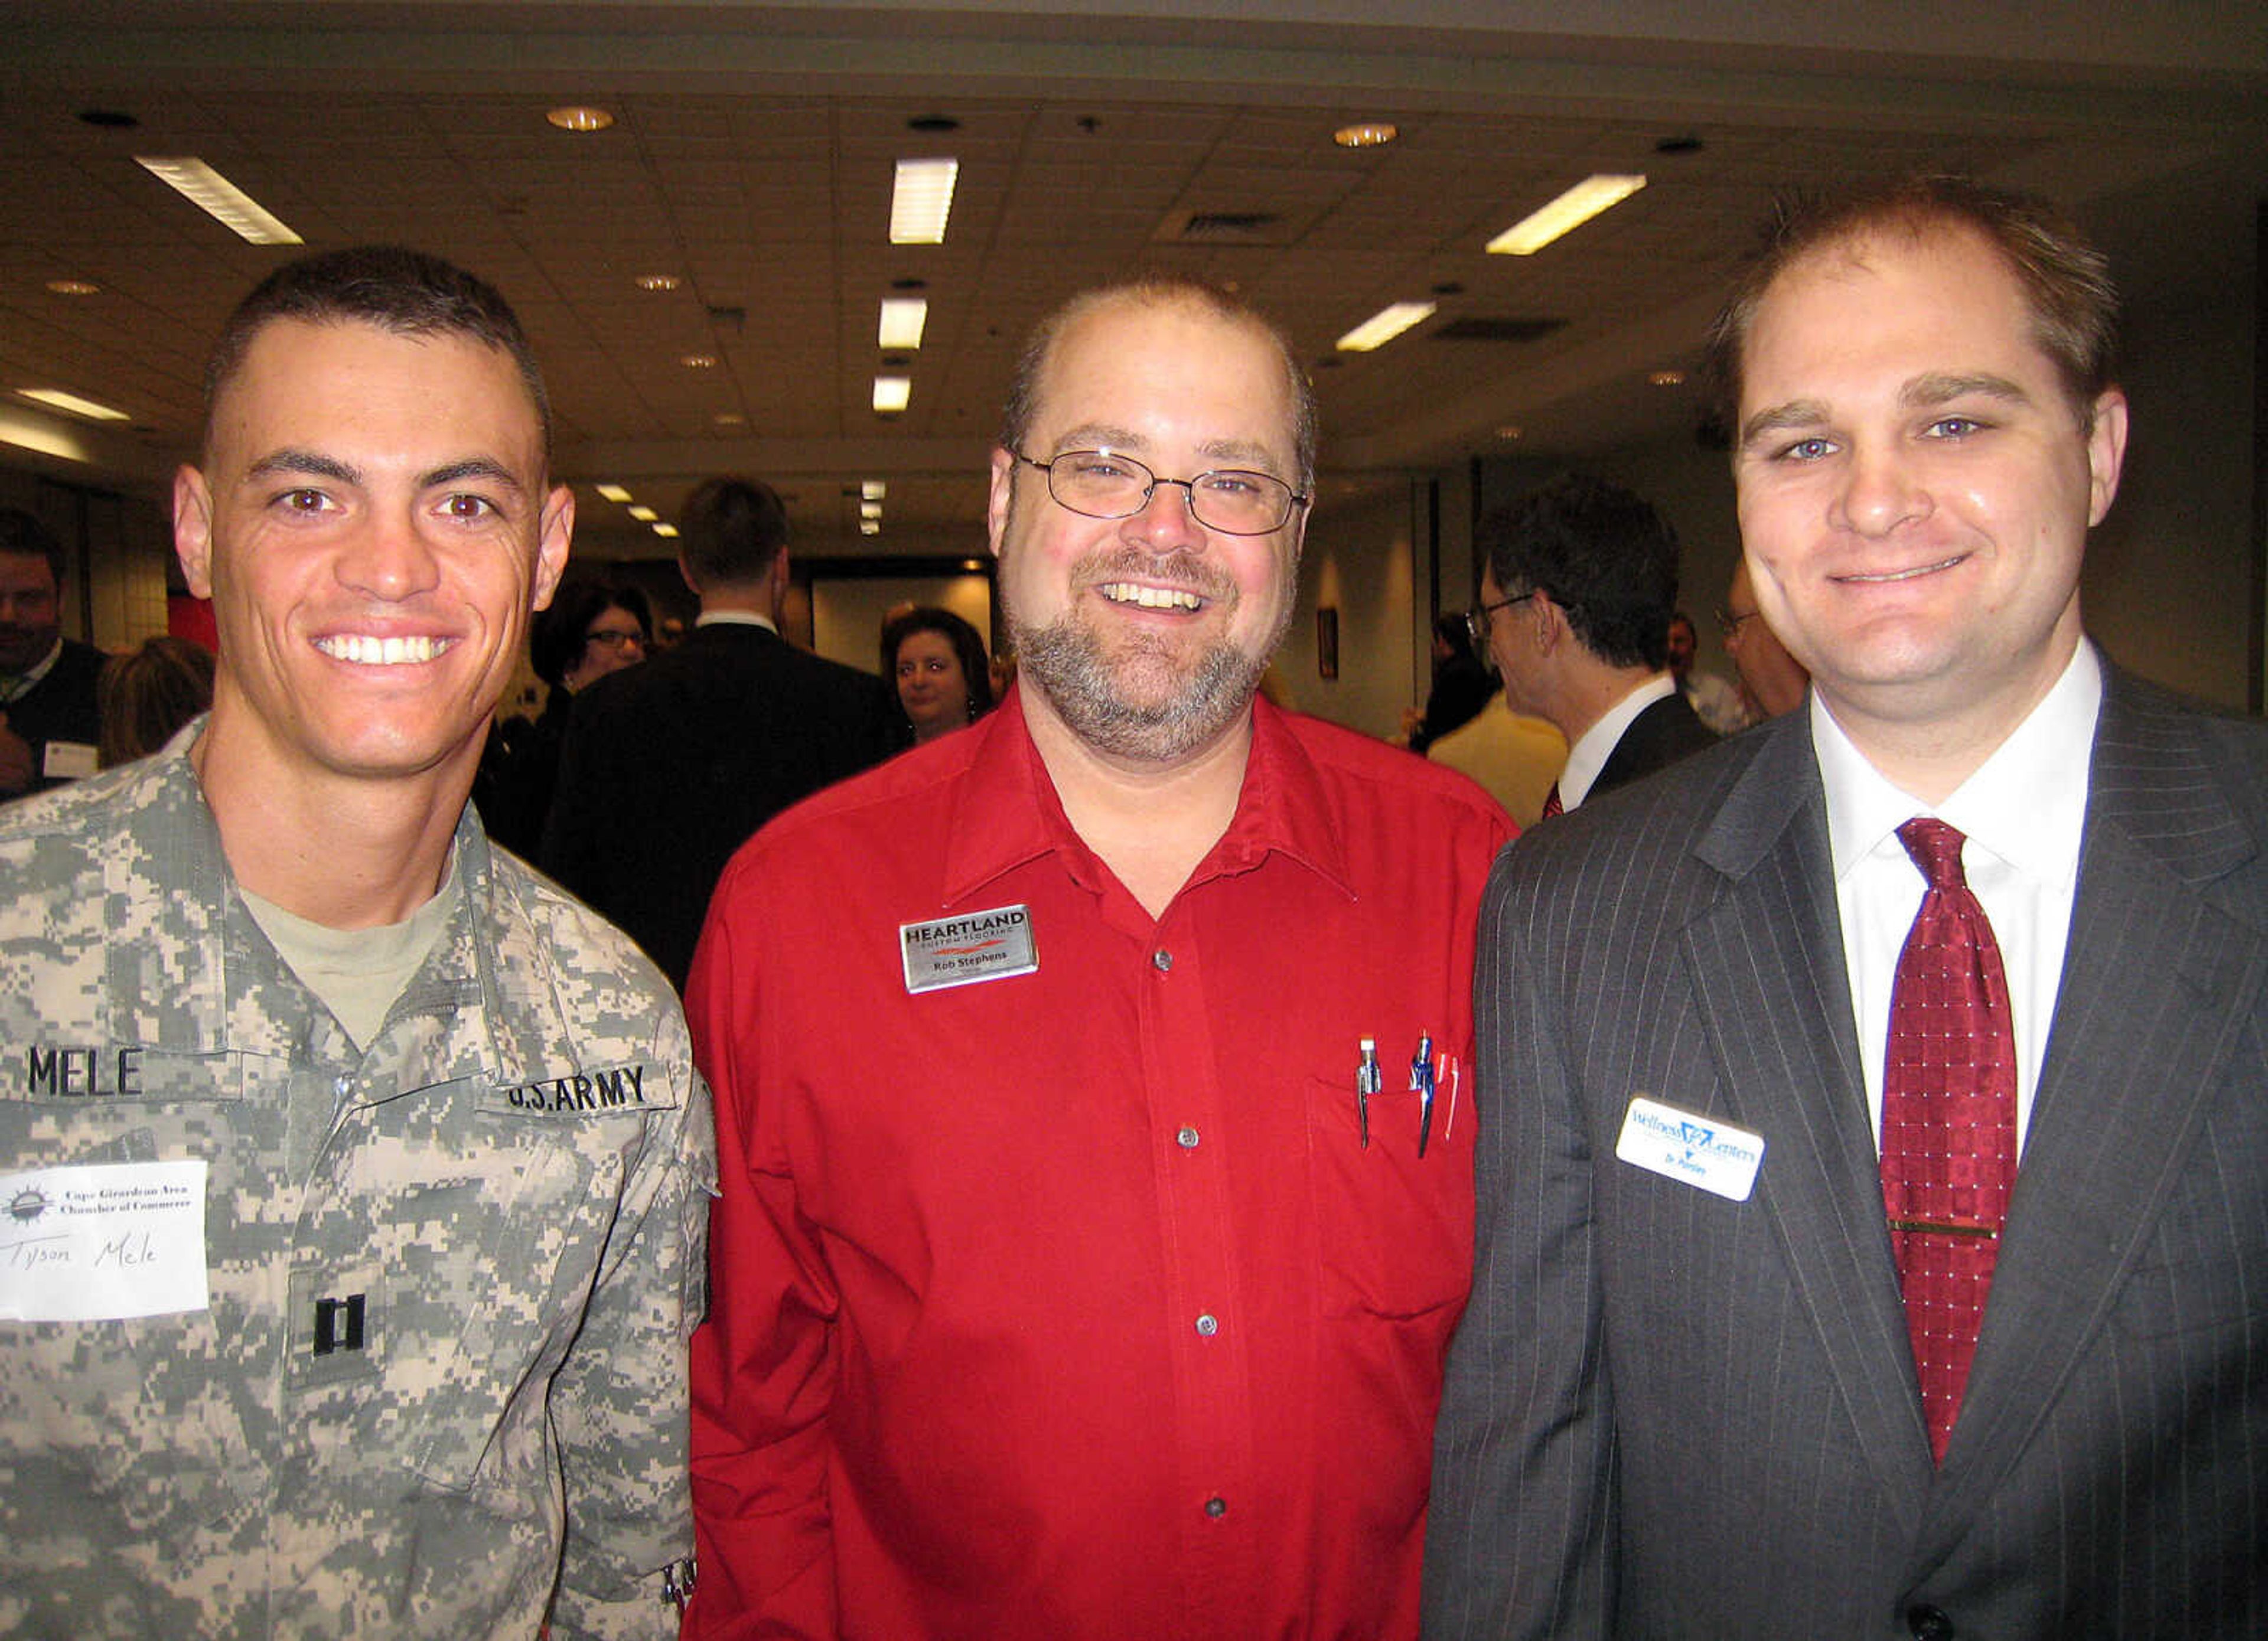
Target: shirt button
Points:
(1187, 1139)
(1161, 960)
(1216, 1508)
(1208, 1325)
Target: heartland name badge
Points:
(962, 951)
(1699, 1150)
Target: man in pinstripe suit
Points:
(1683, 1401)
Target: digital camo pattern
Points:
(492, 1223)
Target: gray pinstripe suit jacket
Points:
(1670, 1415)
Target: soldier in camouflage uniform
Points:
(355, 1178)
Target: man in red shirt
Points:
(1095, 1084)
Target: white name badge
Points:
(68, 760)
(1706, 1152)
(102, 1242)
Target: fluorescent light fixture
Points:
(579, 117)
(921, 201)
(699, 361)
(902, 319)
(1368, 134)
(870, 509)
(75, 287)
(644, 515)
(657, 282)
(56, 399)
(872, 490)
(870, 527)
(1571, 210)
(26, 431)
(892, 394)
(666, 532)
(1667, 379)
(217, 198)
(612, 492)
(1384, 325)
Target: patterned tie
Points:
(1948, 1122)
(1551, 803)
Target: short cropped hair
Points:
(729, 532)
(1603, 553)
(1158, 291)
(2066, 280)
(404, 291)
(556, 637)
(21, 533)
(967, 647)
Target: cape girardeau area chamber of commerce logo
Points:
(27, 1206)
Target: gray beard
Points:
(1065, 661)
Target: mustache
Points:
(1181, 571)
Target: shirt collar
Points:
(1007, 810)
(16, 686)
(2027, 803)
(1589, 754)
(735, 618)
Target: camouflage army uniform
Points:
(443, 1369)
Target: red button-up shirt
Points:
(1072, 1304)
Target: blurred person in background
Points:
(936, 663)
(149, 692)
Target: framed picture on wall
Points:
(1327, 640)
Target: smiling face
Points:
(30, 616)
(931, 685)
(1148, 635)
(373, 528)
(1915, 485)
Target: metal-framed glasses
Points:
(1104, 485)
(1478, 619)
(1729, 624)
(615, 637)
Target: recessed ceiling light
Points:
(731, 418)
(1508, 432)
(643, 514)
(666, 532)
(579, 117)
(872, 489)
(870, 509)
(903, 318)
(892, 394)
(612, 492)
(922, 202)
(1667, 379)
(217, 198)
(870, 527)
(699, 361)
(657, 282)
(1368, 134)
(1571, 210)
(55, 398)
(1384, 325)
(75, 287)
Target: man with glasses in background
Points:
(1093, 1083)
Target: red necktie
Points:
(1948, 1122)
(1551, 803)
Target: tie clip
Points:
(1943, 1228)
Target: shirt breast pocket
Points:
(1394, 1228)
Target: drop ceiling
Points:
(751, 157)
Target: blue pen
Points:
(1421, 1083)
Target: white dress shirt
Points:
(1589, 754)
(2021, 813)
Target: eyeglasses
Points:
(615, 637)
(1729, 624)
(1103, 484)
(1482, 617)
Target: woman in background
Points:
(147, 694)
(939, 666)
(590, 629)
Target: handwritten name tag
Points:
(102, 1242)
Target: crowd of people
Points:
(1115, 1157)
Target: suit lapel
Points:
(1768, 967)
(2158, 985)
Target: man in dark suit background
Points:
(670, 766)
(50, 724)
(1578, 585)
(1688, 1399)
